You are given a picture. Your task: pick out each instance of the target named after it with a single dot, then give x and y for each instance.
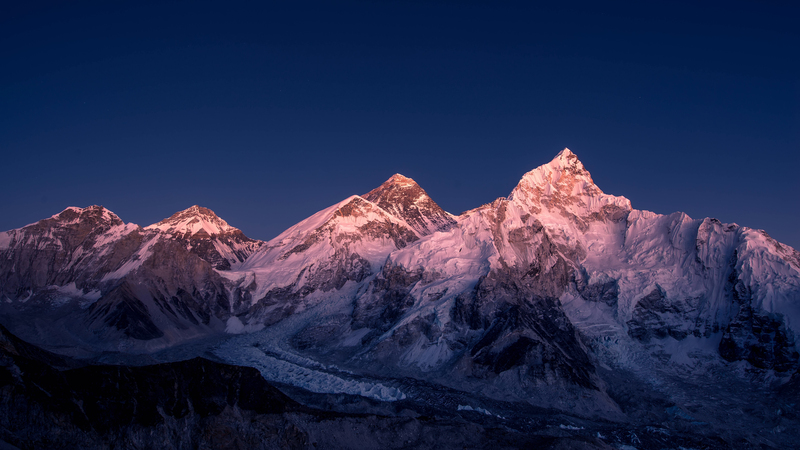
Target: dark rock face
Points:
(403, 198)
(173, 288)
(122, 310)
(522, 330)
(351, 267)
(63, 249)
(387, 298)
(654, 316)
(760, 340)
(606, 292)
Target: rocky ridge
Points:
(540, 297)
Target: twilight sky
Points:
(267, 112)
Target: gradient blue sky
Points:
(268, 112)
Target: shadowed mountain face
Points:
(543, 298)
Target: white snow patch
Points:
(478, 409)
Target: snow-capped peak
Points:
(94, 213)
(564, 186)
(194, 221)
(567, 158)
(564, 171)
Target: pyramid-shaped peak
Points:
(403, 198)
(565, 185)
(401, 180)
(193, 220)
(565, 164)
(567, 159)
(566, 153)
(198, 211)
(397, 188)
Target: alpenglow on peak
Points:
(405, 199)
(193, 220)
(564, 188)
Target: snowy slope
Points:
(336, 248)
(534, 276)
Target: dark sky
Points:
(267, 112)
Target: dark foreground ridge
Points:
(204, 404)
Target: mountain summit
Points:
(562, 192)
(195, 222)
(208, 236)
(403, 198)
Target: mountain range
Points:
(557, 298)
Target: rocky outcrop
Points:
(386, 300)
